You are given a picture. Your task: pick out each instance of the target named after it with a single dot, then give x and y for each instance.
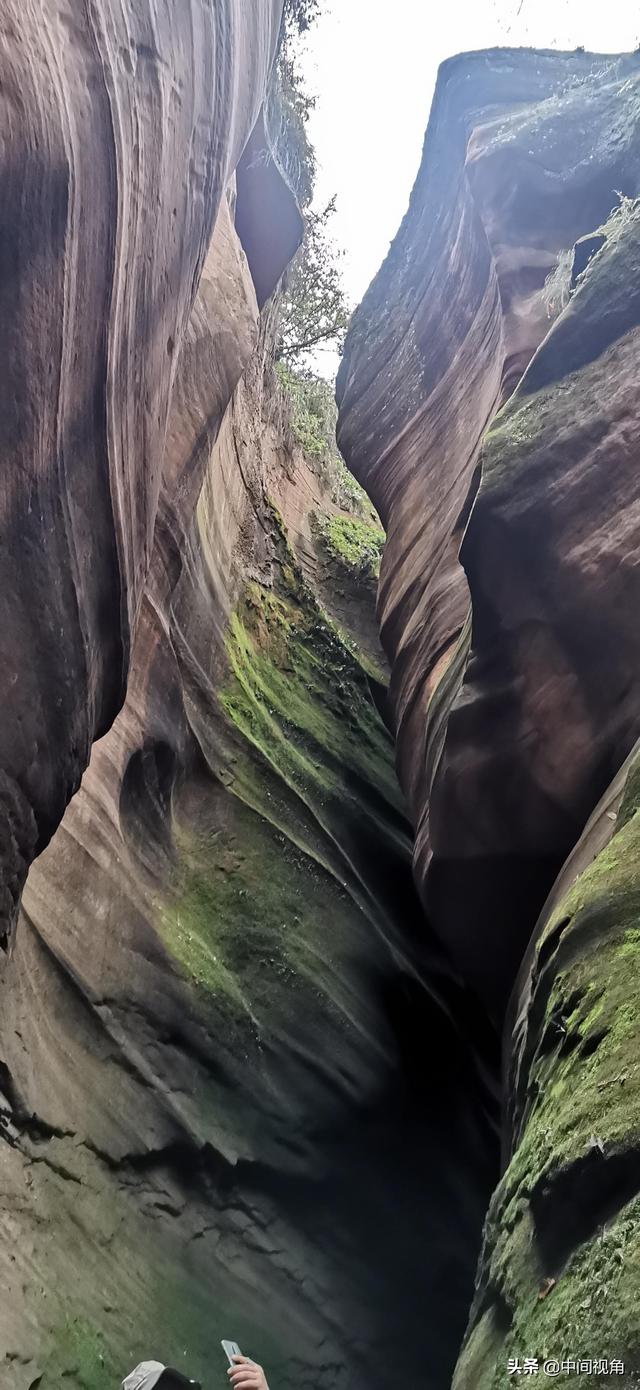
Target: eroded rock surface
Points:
(490, 402)
(507, 732)
(222, 1114)
(560, 1266)
(122, 125)
(243, 1086)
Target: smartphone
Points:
(230, 1350)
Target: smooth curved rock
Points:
(522, 154)
(220, 1014)
(560, 1259)
(121, 128)
(526, 710)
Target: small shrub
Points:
(313, 411)
(311, 406)
(356, 545)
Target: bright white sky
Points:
(373, 63)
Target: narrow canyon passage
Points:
(317, 873)
(242, 1090)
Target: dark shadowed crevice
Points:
(571, 1205)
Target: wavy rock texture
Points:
(219, 1109)
(457, 311)
(219, 1017)
(238, 1092)
(559, 1272)
(525, 710)
(122, 125)
(566, 1208)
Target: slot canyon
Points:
(319, 897)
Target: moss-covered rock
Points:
(354, 545)
(312, 789)
(80, 1355)
(561, 1269)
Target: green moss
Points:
(583, 1084)
(190, 1321)
(212, 912)
(313, 413)
(250, 939)
(80, 1356)
(161, 1299)
(630, 797)
(313, 791)
(355, 545)
(301, 699)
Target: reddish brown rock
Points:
(456, 313)
(220, 1001)
(121, 129)
(522, 714)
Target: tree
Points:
(314, 310)
(300, 14)
(288, 110)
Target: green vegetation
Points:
(313, 311)
(256, 919)
(625, 212)
(287, 112)
(311, 406)
(289, 105)
(313, 413)
(583, 1086)
(557, 286)
(302, 698)
(79, 1356)
(160, 1307)
(525, 438)
(312, 761)
(355, 545)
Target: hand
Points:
(246, 1375)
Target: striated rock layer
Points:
(221, 1109)
(122, 125)
(236, 1098)
(220, 1015)
(559, 1269)
(489, 399)
(523, 156)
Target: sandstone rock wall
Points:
(245, 1088)
(490, 401)
(524, 154)
(220, 1111)
(121, 128)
